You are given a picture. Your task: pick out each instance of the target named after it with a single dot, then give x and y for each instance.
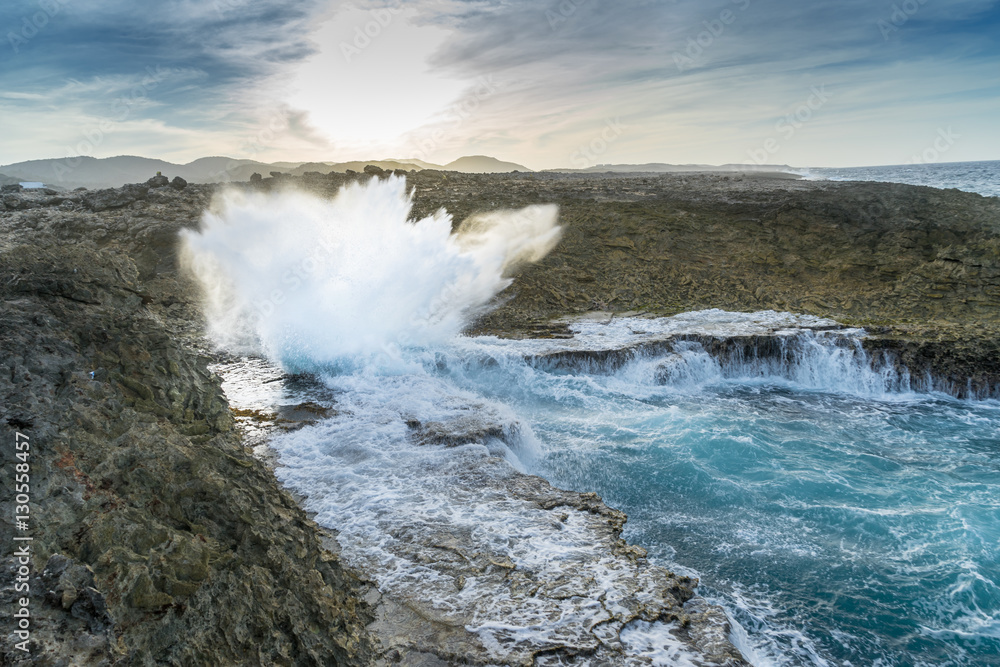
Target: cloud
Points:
(711, 78)
(87, 60)
(690, 80)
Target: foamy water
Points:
(306, 280)
(839, 516)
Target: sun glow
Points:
(370, 81)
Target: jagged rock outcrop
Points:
(111, 198)
(158, 538)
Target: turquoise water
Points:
(836, 529)
(837, 517)
(840, 519)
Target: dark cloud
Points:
(231, 43)
(629, 34)
(563, 66)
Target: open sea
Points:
(980, 177)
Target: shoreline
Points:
(159, 511)
(411, 623)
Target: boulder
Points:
(102, 200)
(158, 181)
(178, 183)
(373, 170)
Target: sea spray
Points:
(349, 281)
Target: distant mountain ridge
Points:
(483, 164)
(93, 172)
(116, 171)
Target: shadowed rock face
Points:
(157, 537)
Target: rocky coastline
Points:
(160, 538)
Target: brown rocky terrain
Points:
(159, 538)
(918, 267)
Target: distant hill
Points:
(85, 171)
(8, 180)
(482, 164)
(116, 171)
(358, 165)
(420, 163)
(660, 167)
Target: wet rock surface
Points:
(160, 538)
(553, 584)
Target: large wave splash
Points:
(313, 282)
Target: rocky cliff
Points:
(159, 538)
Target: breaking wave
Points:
(314, 282)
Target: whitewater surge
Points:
(738, 442)
(310, 282)
(837, 514)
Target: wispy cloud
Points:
(569, 65)
(189, 71)
(692, 80)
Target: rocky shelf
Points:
(160, 538)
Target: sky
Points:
(546, 84)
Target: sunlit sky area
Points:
(566, 83)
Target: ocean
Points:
(980, 177)
(837, 515)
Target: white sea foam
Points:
(311, 282)
(417, 468)
(656, 642)
(810, 352)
